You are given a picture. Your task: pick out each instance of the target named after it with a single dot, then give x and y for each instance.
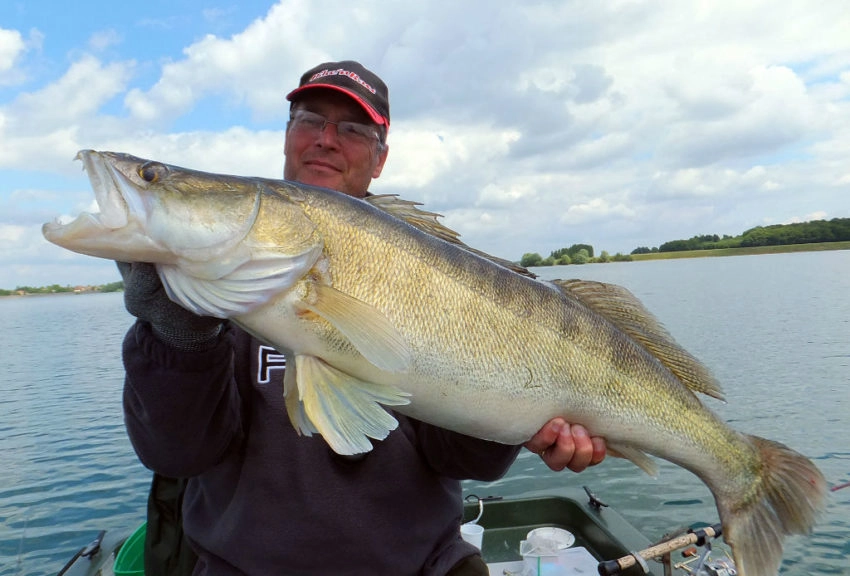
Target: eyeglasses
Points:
(313, 124)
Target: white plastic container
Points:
(547, 552)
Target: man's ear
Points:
(379, 165)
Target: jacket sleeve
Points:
(181, 409)
(463, 457)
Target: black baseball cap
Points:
(353, 79)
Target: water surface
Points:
(775, 329)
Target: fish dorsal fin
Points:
(364, 326)
(427, 222)
(345, 410)
(626, 312)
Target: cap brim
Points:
(376, 117)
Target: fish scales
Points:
(375, 304)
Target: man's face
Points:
(323, 159)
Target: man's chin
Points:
(321, 177)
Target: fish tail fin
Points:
(785, 499)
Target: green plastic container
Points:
(130, 560)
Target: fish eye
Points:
(153, 171)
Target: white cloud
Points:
(103, 39)
(11, 234)
(531, 126)
(42, 128)
(596, 209)
(255, 67)
(505, 194)
(820, 215)
(423, 152)
(233, 151)
(761, 112)
(11, 47)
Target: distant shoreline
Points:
(714, 253)
(748, 251)
(63, 293)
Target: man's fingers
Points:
(547, 436)
(561, 445)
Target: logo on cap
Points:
(341, 72)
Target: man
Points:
(203, 401)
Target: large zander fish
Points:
(371, 310)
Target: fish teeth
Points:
(107, 190)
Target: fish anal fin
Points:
(637, 457)
(345, 410)
(627, 313)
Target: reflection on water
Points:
(775, 330)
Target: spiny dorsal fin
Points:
(627, 313)
(427, 222)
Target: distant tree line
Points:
(816, 231)
(57, 289)
(575, 254)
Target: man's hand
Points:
(561, 445)
(145, 298)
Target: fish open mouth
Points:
(119, 222)
(111, 196)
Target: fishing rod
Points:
(698, 537)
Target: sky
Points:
(530, 126)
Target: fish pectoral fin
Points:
(345, 410)
(250, 280)
(636, 456)
(292, 399)
(366, 328)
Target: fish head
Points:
(214, 237)
(153, 212)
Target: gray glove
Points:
(145, 298)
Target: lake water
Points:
(775, 329)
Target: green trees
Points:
(816, 231)
(835, 230)
(581, 257)
(573, 250)
(575, 254)
(530, 259)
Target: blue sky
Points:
(530, 126)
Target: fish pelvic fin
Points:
(636, 456)
(626, 312)
(427, 222)
(294, 407)
(369, 331)
(784, 500)
(345, 410)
